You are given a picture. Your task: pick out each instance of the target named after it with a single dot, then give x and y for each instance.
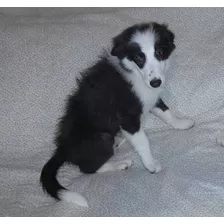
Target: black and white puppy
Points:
(113, 96)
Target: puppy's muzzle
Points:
(155, 83)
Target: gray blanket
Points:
(41, 55)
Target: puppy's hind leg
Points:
(113, 166)
(95, 152)
(95, 155)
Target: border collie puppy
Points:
(112, 96)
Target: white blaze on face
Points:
(152, 69)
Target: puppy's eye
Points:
(159, 52)
(139, 59)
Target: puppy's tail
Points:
(53, 188)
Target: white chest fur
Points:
(148, 96)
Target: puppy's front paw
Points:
(183, 124)
(154, 167)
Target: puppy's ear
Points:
(118, 50)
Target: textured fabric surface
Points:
(40, 57)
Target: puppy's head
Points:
(143, 49)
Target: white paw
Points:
(154, 167)
(220, 140)
(113, 166)
(123, 165)
(183, 124)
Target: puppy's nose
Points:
(155, 83)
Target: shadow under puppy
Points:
(112, 96)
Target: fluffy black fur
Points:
(103, 103)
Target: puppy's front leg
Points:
(162, 111)
(140, 143)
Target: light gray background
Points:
(41, 53)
